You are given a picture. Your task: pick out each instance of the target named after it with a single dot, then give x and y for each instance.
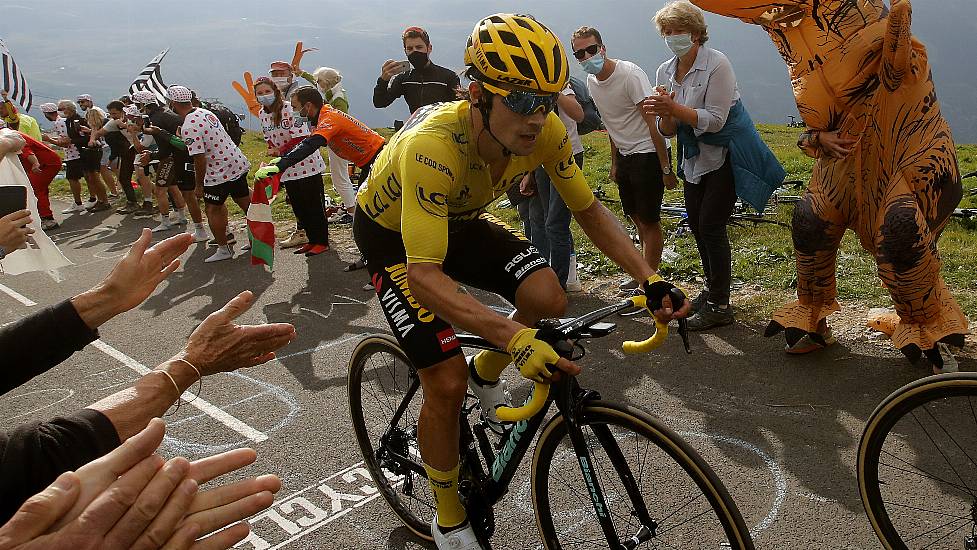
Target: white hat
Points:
(85, 97)
(179, 94)
(144, 97)
(131, 110)
(49, 107)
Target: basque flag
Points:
(261, 230)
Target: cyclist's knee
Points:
(541, 296)
(445, 383)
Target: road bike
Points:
(917, 474)
(603, 474)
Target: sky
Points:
(99, 46)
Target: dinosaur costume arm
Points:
(897, 47)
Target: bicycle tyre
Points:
(367, 348)
(641, 424)
(892, 409)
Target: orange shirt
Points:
(348, 137)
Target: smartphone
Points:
(12, 199)
(403, 66)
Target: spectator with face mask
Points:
(422, 82)
(97, 118)
(71, 131)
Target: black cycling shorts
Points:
(172, 171)
(236, 188)
(483, 253)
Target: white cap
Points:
(131, 110)
(85, 97)
(179, 94)
(49, 107)
(144, 97)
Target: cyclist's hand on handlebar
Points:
(534, 357)
(662, 299)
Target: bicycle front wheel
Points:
(643, 469)
(917, 474)
(384, 402)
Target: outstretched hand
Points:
(220, 345)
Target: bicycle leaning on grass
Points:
(603, 474)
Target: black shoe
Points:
(710, 316)
(699, 301)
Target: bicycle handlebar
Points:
(541, 391)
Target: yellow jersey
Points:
(430, 175)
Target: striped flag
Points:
(14, 81)
(261, 231)
(150, 79)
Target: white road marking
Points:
(323, 346)
(17, 296)
(720, 346)
(204, 406)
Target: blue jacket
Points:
(756, 171)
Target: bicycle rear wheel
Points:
(917, 474)
(384, 402)
(681, 494)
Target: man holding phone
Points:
(420, 81)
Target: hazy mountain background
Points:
(99, 46)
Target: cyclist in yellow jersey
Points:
(422, 225)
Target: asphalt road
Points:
(781, 432)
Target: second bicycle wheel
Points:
(681, 493)
(384, 402)
(917, 474)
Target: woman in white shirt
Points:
(303, 181)
(697, 89)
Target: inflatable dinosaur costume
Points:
(856, 69)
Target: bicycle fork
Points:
(570, 404)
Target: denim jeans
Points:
(709, 204)
(549, 224)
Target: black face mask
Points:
(418, 60)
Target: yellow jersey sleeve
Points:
(563, 171)
(428, 172)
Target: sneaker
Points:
(574, 286)
(317, 249)
(91, 199)
(710, 316)
(181, 220)
(145, 211)
(223, 253)
(699, 301)
(73, 208)
(164, 225)
(230, 240)
(99, 207)
(573, 282)
(113, 196)
(48, 224)
(341, 218)
(460, 538)
(368, 287)
(949, 361)
(807, 344)
(297, 238)
(129, 208)
(628, 285)
(489, 398)
(199, 233)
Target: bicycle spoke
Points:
(948, 534)
(915, 508)
(965, 453)
(924, 473)
(947, 524)
(939, 450)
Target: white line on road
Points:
(719, 346)
(206, 407)
(17, 296)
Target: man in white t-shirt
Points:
(640, 160)
(219, 166)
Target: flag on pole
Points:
(150, 79)
(14, 81)
(261, 230)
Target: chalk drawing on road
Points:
(62, 395)
(720, 346)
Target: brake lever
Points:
(683, 331)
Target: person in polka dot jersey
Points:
(219, 166)
(303, 181)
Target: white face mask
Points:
(281, 81)
(680, 44)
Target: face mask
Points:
(267, 100)
(281, 81)
(680, 44)
(299, 118)
(593, 65)
(418, 59)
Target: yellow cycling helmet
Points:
(519, 51)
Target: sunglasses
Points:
(524, 103)
(582, 52)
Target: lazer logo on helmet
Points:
(514, 80)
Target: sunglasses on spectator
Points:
(524, 103)
(582, 52)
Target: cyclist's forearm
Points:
(450, 301)
(606, 232)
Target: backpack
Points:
(228, 119)
(591, 116)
